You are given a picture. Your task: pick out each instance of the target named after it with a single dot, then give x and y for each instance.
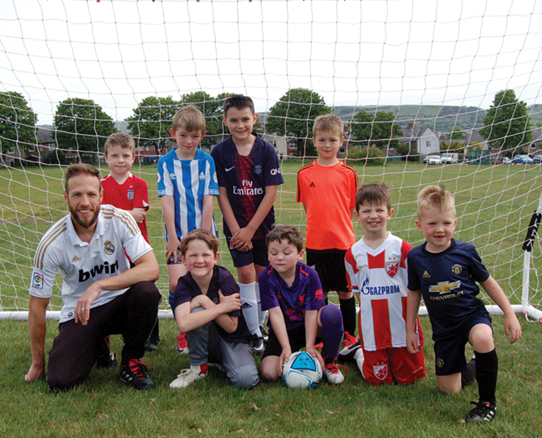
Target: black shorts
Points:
(450, 351)
(329, 263)
(297, 339)
(257, 255)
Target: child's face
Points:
(199, 259)
(119, 159)
(438, 228)
(187, 141)
(373, 217)
(240, 122)
(328, 143)
(283, 257)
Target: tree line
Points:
(83, 125)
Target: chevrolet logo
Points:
(445, 286)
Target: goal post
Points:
(443, 93)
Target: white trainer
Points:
(333, 374)
(188, 376)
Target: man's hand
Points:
(82, 308)
(36, 372)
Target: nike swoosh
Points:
(230, 168)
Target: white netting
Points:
(89, 67)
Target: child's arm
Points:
(187, 321)
(168, 207)
(413, 304)
(511, 324)
(311, 329)
(279, 327)
(207, 213)
(244, 236)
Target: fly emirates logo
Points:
(247, 189)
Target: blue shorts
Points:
(450, 351)
(257, 255)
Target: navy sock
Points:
(332, 330)
(348, 310)
(487, 367)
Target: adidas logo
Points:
(246, 306)
(426, 275)
(312, 185)
(75, 259)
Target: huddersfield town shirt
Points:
(188, 181)
(80, 263)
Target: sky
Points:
(370, 52)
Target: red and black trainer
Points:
(349, 340)
(135, 374)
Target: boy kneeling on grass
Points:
(445, 271)
(298, 315)
(208, 309)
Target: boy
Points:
(445, 271)
(298, 315)
(248, 175)
(186, 185)
(128, 192)
(208, 309)
(377, 272)
(327, 189)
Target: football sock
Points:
(249, 305)
(348, 310)
(332, 330)
(262, 314)
(487, 367)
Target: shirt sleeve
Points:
(268, 296)
(211, 183)
(351, 268)
(165, 187)
(272, 169)
(133, 241)
(219, 166)
(413, 278)
(141, 194)
(315, 295)
(479, 272)
(43, 274)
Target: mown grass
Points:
(494, 209)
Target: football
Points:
(301, 371)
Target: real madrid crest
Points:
(109, 248)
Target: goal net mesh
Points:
(71, 72)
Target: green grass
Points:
(494, 208)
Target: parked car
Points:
(450, 158)
(523, 159)
(537, 159)
(506, 160)
(433, 159)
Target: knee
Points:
(450, 386)
(245, 377)
(57, 382)
(331, 317)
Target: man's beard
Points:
(90, 220)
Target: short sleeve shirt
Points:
(222, 280)
(304, 294)
(245, 179)
(447, 281)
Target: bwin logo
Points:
(97, 270)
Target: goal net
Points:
(430, 92)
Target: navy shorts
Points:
(297, 339)
(257, 255)
(329, 263)
(171, 259)
(450, 351)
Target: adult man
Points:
(101, 294)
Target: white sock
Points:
(262, 314)
(250, 307)
(360, 358)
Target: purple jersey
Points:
(305, 294)
(447, 281)
(245, 179)
(222, 280)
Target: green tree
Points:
(455, 134)
(82, 124)
(507, 124)
(213, 110)
(151, 121)
(377, 129)
(293, 116)
(17, 121)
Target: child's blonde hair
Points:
(328, 122)
(435, 197)
(189, 118)
(121, 139)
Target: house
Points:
(422, 141)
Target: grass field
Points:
(494, 208)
